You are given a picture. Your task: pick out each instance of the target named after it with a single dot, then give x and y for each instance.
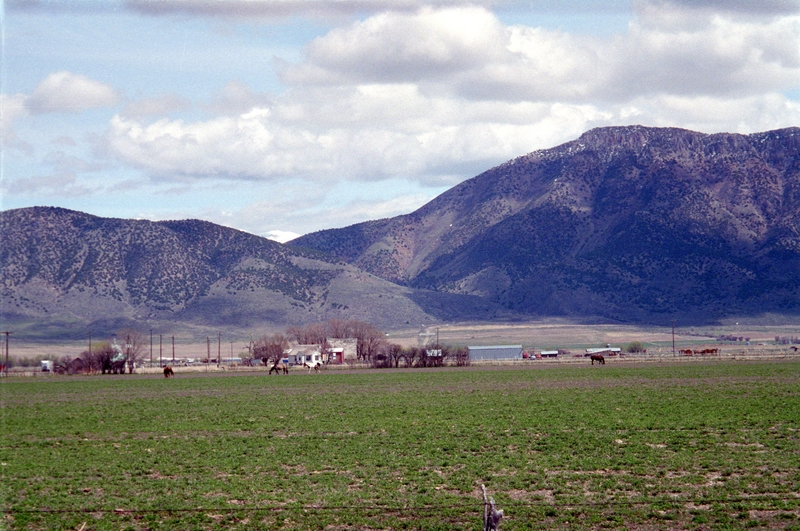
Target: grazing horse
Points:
(278, 367)
(315, 366)
(168, 372)
(598, 358)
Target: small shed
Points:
(549, 353)
(345, 350)
(497, 352)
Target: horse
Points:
(315, 366)
(168, 372)
(598, 358)
(278, 367)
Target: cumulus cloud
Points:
(468, 52)
(67, 92)
(359, 133)
(429, 93)
(405, 47)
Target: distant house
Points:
(497, 352)
(339, 351)
(300, 354)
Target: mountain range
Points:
(69, 273)
(631, 224)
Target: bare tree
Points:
(104, 357)
(90, 361)
(269, 349)
(395, 353)
(312, 334)
(460, 355)
(134, 347)
(339, 328)
(370, 340)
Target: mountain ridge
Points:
(72, 269)
(728, 201)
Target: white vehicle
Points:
(47, 365)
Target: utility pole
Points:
(208, 351)
(219, 348)
(673, 338)
(173, 349)
(5, 367)
(151, 347)
(160, 353)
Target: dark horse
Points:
(278, 367)
(598, 358)
(168, 372)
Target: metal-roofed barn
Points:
(497, 352)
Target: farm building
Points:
(549, 353)
(343, 350)
(497, 352)
(607, 351)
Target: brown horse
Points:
(598, 358)
(168, 372)
(278, 367)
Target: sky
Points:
(284, 117)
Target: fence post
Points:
(491, 516)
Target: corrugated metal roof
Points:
(495, 352)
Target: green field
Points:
(691, 446)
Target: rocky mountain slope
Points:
(631, 223)
(64, 270)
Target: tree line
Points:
(372, 347)
(105, 357)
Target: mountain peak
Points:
(629, 222)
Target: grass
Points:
(658, 447)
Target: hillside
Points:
(630, 223)
(63, 270)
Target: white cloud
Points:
(281, 236)
(359, 133)
(466, 51)
(406, 47)
(67, 92)
(428, 93)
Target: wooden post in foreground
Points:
(491, 516)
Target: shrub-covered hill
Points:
(633, 223)
(69, 269)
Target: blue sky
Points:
(289, 116)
